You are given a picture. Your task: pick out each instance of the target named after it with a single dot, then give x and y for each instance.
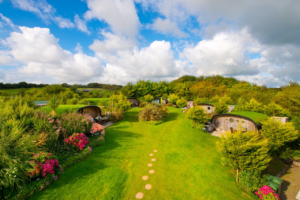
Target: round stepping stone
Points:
(139, 195)
(153, 159)
(150, 165)
(148, 187)
(151, 171)
(145, 178)
(151, 154)
(154, 150)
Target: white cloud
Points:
(222, 55)
(40, 55)
(166, 26)
(6, 20)
(112, 43)
(80, 24)
(155, 62)
(5, 59)
(63, 22)
(120, 15)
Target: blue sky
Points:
(121, 41)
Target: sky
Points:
(121, 41)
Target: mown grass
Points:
(95, 101)
(61, 108)
(256, 117)
(187, 166)
(17, 91)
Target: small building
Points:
(159, 100)
(281, 119)
(209, 108)
(41, 103)
(248, 121)
(93, 111)
(190, 103)
(134, 101)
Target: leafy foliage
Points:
(252, 180)
(278, 134)
(197, 115)
(181, 102)
(148, 98)
(244, 151)
(153, 112)
(173, 98)
(221, 106)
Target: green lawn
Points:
(255, 116)
(187, 166)
(95, 101)
(16, 91)
(61, 108)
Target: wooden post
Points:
(237, 176)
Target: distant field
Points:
(106, 92)
(62, 108)
(95, 101)
(16, 91)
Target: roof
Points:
(88, 90)
(255, 117)
(40, 102)
(206, 104)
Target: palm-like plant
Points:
(53, 104)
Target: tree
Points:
(148, 98)
(53, 104)
(181, 102)
(278, 134)
(173, 98)
(244, 151)
(221, 107)
(197, 115)
(273, 109)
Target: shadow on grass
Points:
(284, 188)
(132, 116)
(117, 142)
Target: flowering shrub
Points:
(77, 140)
(96, 128)
(44, 164)
(266, 193)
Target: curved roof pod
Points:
(94, 111)
(251, 116)
(205, 104)
(134, 101)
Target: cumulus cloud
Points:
(40, 54)
(155, 62)
(112, 43)
(223, 55)
(166, 26)
(120, 15)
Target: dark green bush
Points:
(153, 112)
(252, 180)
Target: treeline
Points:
(111, 87)
(213, 87)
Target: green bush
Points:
(143, 104)
(197, 115)
(116, 115)
(252, 180)
(84, 101)
(181, 102)
(72, 101)
(221, 107)
(153, 112)
(173, 98)
(148, 98)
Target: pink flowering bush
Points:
(267, 193)
(97, 128)
(77, 140)
(45, 164)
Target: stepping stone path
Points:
(148, 187)
(140, 195)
